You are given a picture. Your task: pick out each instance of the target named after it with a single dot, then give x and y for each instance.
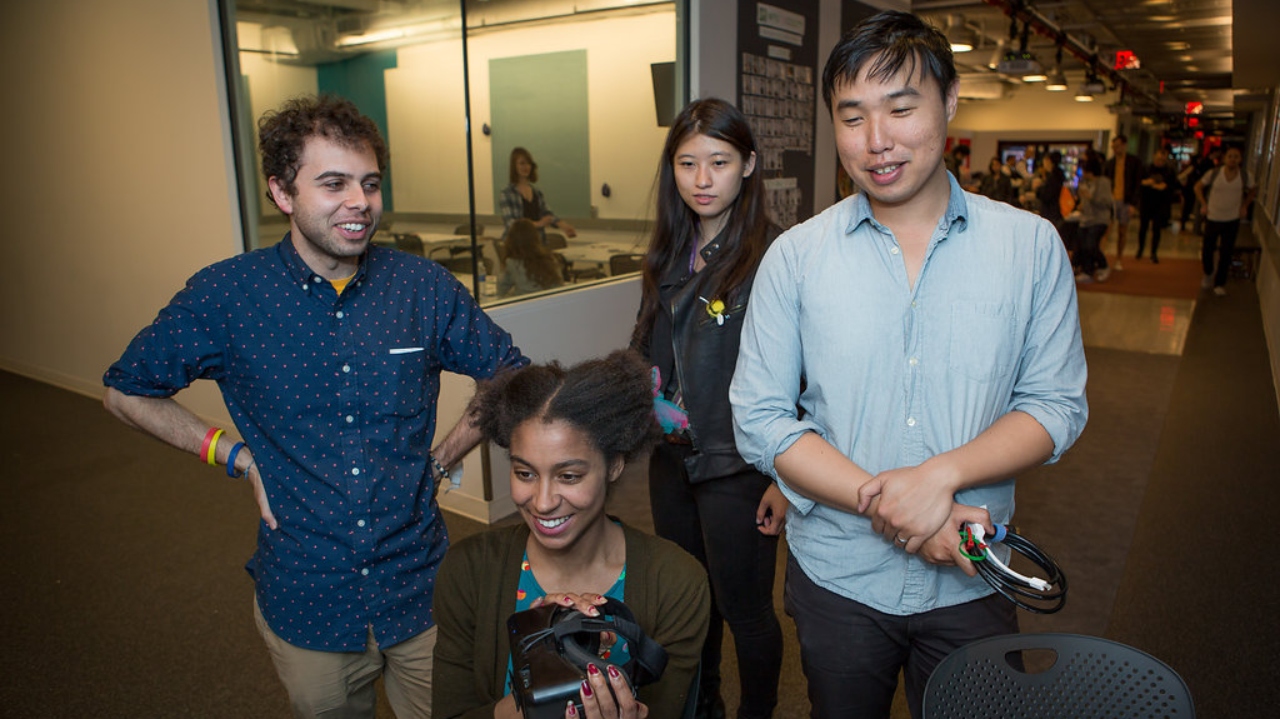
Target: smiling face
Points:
(558, 482)
(336, 205)
(890, 134)
(709, 173)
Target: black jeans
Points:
(1089, 257)
(852, 653)
(715, 521)
(1214, 230)
(1156, 220)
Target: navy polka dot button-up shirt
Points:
(336, 398)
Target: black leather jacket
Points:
(705, 353)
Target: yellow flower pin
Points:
(715, 308)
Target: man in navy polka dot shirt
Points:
(328, 352)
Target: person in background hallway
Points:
(328, 351)
(1225, 193)
(1048, 188)
(997, 185)
(1096, 210)
(521, 199)
(710, 234)
(527, 264)
(569, 433)
(1190, 204)
(1016, 170)
(956, 161)
(893, 397)
(1159, 187)
(1125, 174)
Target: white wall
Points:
(568, 326)
(119, 184)
(426, 115)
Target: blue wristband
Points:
(231, 461)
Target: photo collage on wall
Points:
(777, 93)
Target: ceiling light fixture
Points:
(960, 35)
(1057, 81)
(1021, 63)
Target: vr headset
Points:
(551, 647)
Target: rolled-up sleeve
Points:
(766, 381)
(1052, 369)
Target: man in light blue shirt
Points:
(906, 354)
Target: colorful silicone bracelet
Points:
(208, 438)
(231, 461)
(211, 458)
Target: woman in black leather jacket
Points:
(710, 233)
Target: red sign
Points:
(1195, 107)
(1126, 60)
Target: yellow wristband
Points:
(213, 449)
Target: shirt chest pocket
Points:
(402, 381)
(982, 346)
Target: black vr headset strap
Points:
(648, 658)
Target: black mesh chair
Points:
(556, 241)
(622, 264)
(408, 242)
(1090, 677)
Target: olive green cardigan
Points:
(476, 592)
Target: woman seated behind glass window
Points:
(527, 264)
(569, 433)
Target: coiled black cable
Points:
(1046, 599)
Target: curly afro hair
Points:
(283, 133)
(610, 399)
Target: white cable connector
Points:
(1034, 582)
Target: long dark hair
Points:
(676, 229)
(524, 243)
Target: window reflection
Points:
(570, 81)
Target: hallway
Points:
(124, 593)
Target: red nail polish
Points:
(586, 690)
(573, 710)
(613, 672)
(593, 670)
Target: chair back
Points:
(1090, 677)
(556, 241)
(622, 264)
(465, 230)
(408, 242)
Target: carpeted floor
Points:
(1175, 278)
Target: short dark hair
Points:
(1121, 137)
(609, 399)
(283, 133)
(514, 176)
(1092, 165)
(961, 149)
(890, 41)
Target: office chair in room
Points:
(556, 241)
(1090, 677)
(408, 242)
(465, 230)
(622, 264)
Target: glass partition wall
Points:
(456, 88)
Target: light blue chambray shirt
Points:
(895, 375)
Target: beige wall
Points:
(120, 186)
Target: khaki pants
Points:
(340, 685)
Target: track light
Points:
(960, 36)
(1057, 81)
(1021, 63)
